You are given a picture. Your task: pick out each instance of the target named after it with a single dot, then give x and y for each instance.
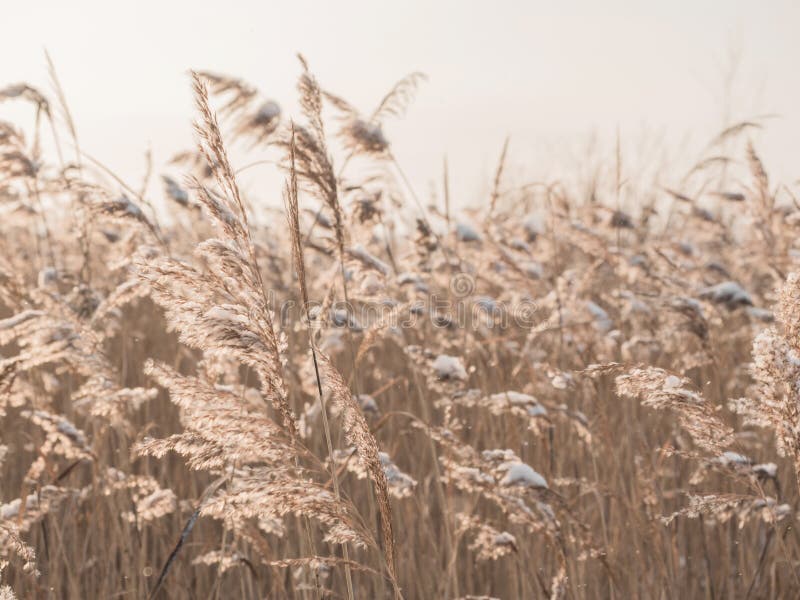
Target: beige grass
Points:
(568, 392)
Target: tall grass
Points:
(571, 391)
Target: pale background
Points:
(548, 73)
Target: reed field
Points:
(577, 388)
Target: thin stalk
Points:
(297, 251)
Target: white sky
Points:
(545, 72)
